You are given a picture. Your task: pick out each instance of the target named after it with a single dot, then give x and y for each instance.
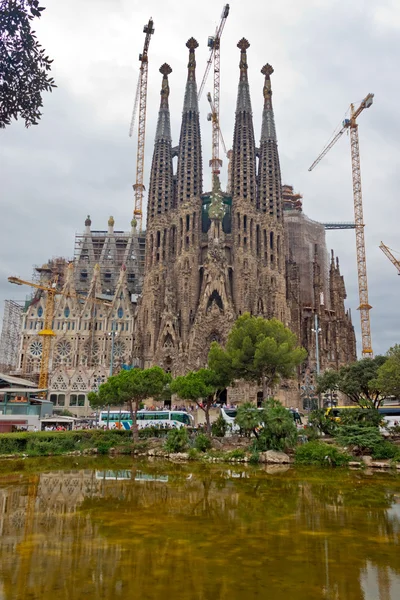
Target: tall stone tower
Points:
(257, 223)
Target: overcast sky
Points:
(326, 54)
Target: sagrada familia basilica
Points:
(161, 297)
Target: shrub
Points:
(237, 453)
(202, 442)
(359, 437)
(363, 417)
(321, 454)
(311, 433)
(254, 458)
(386, 449)
(279, 431)
(219, 427)
(177, 440)
(321, 422)
(193, 453)
(248, 417)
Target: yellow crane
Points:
(390, 256)
(141, 101)
(364, 307)
(47, 332)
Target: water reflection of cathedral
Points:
(106, 533)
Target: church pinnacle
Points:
(161, 175)
(189, 170)
(269, 198)
(243, 173)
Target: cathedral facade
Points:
(206, 258)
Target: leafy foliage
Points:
(360, 439)
(279, 431)
(248, 418)
(319, 421)
(24, 65)
(258, 350)
(200, 387)
(357, 381)
(177, 440)
(385, 449)
(202, 442)
(320, 454)
(388, 376)
(219, 427)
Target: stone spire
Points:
(189, 171)
(243, 177)
(161, 175)
(269, 198)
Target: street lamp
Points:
(317, 330)
(112, 334)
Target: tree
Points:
(131, 388)
(23, 64)
(259, 350)
(199, 387)
(107, 395)
(279, 431)
(357, 381)
(388, 376)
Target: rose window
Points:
(64, 348)
(35, 349)
(119, 349)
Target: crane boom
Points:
(364, 306)
(47, 332)
(390, 256)
(213, 47)
(142, 89)
(133, 119)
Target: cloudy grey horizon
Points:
(80, 160)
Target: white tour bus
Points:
(121, 419)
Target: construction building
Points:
(206, 257)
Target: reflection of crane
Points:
(364, 307)
(141, 100)
(390, 256)
(47, 332)
(214, 43)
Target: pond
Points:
(90, 528)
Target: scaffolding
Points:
(306, 245)
(10, 336)
(110, 251)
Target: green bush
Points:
(254, 458)
(321, 454)
(385, 449)
(219, 427)
(311, 433)
(237, 453)
(193, 454)
(202, 442)
(279, 431)
(177, 440)
(361, 439)
(321, 422)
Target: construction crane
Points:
(47, 332)
(215, 162)
(141, 101)
(390, 256)
(364, 307)
(214, 44)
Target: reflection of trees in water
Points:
(213, 533)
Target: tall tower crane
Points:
(390, 256)
(47, 332)
(141, 101)
(214, 44)
(365, 307)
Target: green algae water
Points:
(109, 529)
